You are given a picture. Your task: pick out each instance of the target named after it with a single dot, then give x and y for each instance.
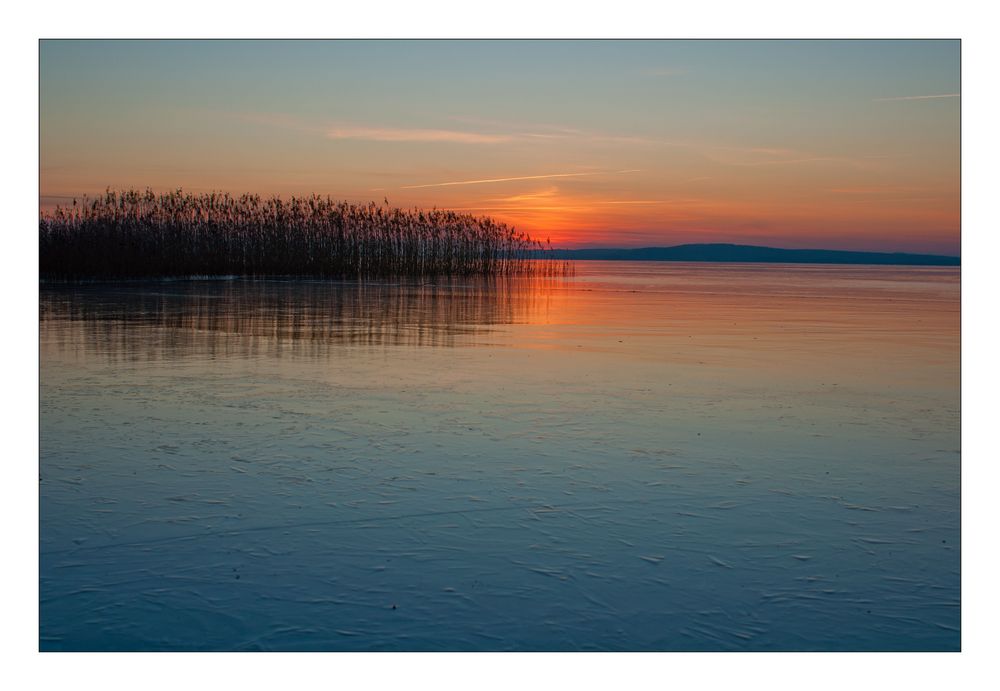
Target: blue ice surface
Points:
(623, 461)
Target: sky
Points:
(811, 144)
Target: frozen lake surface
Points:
(641, 456)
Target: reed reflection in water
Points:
(219, 318)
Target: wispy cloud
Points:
(481, 131)
(917, 98)
(394, 134)
(347, 130)
(519, 177)
(528, 196)
(549, 131)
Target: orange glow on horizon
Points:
(567, 219)
(570, 221)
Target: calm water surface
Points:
(641, 456)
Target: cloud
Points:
(917, 98)
(529, 196)
(392, 134)
(534, 131)
(519, 177)
(345, 130)
(483, 131)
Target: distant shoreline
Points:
(751, 254)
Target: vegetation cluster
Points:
(134, 234)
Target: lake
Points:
(636, 456)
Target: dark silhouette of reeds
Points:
(133, 234)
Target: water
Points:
(641, 456)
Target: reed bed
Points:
(133, 234)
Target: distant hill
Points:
(753, 253)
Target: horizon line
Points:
(737, 244)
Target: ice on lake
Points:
(639, 456)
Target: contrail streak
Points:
(523, 177)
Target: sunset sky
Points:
(831, 144)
